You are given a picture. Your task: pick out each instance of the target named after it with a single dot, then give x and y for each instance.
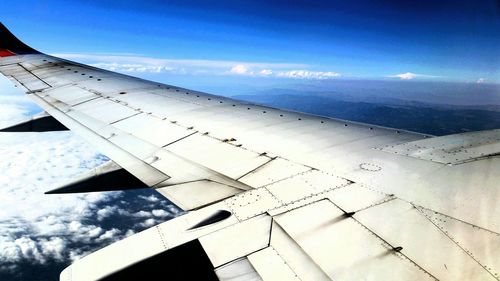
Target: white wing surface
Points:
(273, 194)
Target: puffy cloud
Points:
(29, 249)
(266, 72)
(54, 248)
(239, 69)
(79, 232)
(160, 213)
(150, 198)
(148, 223)
(106, 212)
(305, 74)
(26, 248)
(174, 211)
(405, 76)
(142, 214)
(109, 234)
(94, 231)
(410, 76)
(480, 80)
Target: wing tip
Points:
(11, 45)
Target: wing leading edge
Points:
(304, 197)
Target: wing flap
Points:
(161, 239)
(402, 224)
(239, 270)
(358, 253)
(270, 266)
(104, 262)
(294, 256)
(193, 195)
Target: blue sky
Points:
(276, 40)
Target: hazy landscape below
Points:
(436, 118)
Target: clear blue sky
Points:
(379, 39)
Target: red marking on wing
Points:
(6, 53)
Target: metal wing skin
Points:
(271, 194)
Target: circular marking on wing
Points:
(370, 167)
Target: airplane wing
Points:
(269, 194)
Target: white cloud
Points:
(14, 107)
(106, 212)
(480, 80)
(142, 214)
(110, 234)
(410, 76)
(28, 248)
(148, 223)
(405, 76)
(54, 247)
(160, 213)
(38, 251)
(129, 233)
(266, 72)
(150, 198)
(239, 69)
(305, 74)
(94, 231)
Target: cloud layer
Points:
(141, 64)
(35, 225)
(39, 229)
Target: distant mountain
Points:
(429, 92)
(370, 96)
(395, 113)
